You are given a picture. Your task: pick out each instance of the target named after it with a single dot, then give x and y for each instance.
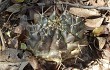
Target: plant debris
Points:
(54, 34)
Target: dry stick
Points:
(3, 47)
(79, 5)
(83, 6)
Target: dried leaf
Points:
(19, 29)
(14, 8)
(97, 2)
(10, 58)
(11, 66)
(83, 12)
(98, 30)
(94, 22)
(14, 55)
(8, 33)
(108, 3)
(107, 52)
(23, 46)
(107, 19)
(108, 27)
(34, 63)
(102, 42)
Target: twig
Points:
(9, 17)
(86, 7)
(78, 5)
(3, 42)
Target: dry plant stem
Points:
(86, 7)
(59, 66)
(2, 39)
(80, 6)
(10, 16)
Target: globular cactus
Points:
(56, 37)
